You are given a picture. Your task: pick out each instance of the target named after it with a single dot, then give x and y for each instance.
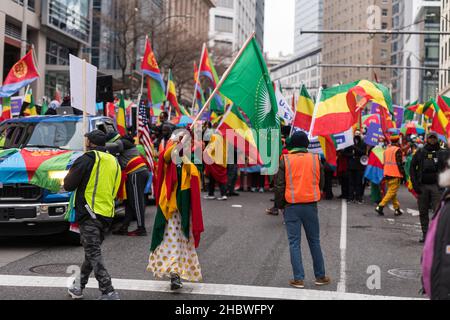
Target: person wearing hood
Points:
(426, 165)
(298, 191)
(135, 174)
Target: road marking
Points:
(238, 206)
(414, 213)
(197, 289)
(341, 287)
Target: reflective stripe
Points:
(94, 193)
(316, 198)
(291, 179)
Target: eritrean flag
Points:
(207, 70)
(155, 82)
(375, 169)
(121, 117)
(172, 93)
(22, 74)
(304, 111)
(199, 95)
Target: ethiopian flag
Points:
(121, 117)
(441, 124)
(423, 109)
(177, 189)
(250, 88)
(329, 147)
(172, 94)
(6, 108)
(304, 110)
(155, 83)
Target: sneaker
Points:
(121, 232)
(223, 198)
(254, 190)
(75, 293)
(398, 213)
(379, 210)
(299, 284)
(175, 282)
(261, 190)
(209, 198)
(323, 281)
(112, 296)
(138, 233)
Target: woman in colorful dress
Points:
(178, 222)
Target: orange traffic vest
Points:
(302, 178)
(390, 163)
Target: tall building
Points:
(56, 28)
(308, 16)
(415, 51)
(444, 77)
(231, 23)
(303, 67)
(356, 49)
(259, 22)
(196, 23)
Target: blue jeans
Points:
(307, 215)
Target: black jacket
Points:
(417, 172)
(354, 155)
(77, 179)
(440, 272)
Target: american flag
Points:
(144, 135)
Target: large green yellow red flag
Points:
(304, 110)
(121, 117)
(340, 107)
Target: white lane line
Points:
(341, 287)
(196, 289)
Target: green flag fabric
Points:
(250, 88)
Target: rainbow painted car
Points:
(35, 156)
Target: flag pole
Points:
(316, 109)
(167, 94)
(139, 100)
(295, 113)
(224, 77)
(198, 76)
(84, 101)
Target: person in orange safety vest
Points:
(393, 173)
(297, 192)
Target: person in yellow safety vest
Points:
(393, 173)
(95, 178)
(297, 192)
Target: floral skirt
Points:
(176, 254)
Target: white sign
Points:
(284, 110)
(343, 140)
(83, 85)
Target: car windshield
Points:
(64, 135)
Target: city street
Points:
(244, 254)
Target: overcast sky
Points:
(279, 28)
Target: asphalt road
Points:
(244, 247)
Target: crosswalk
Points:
(202, 289)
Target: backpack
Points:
(429, 250)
